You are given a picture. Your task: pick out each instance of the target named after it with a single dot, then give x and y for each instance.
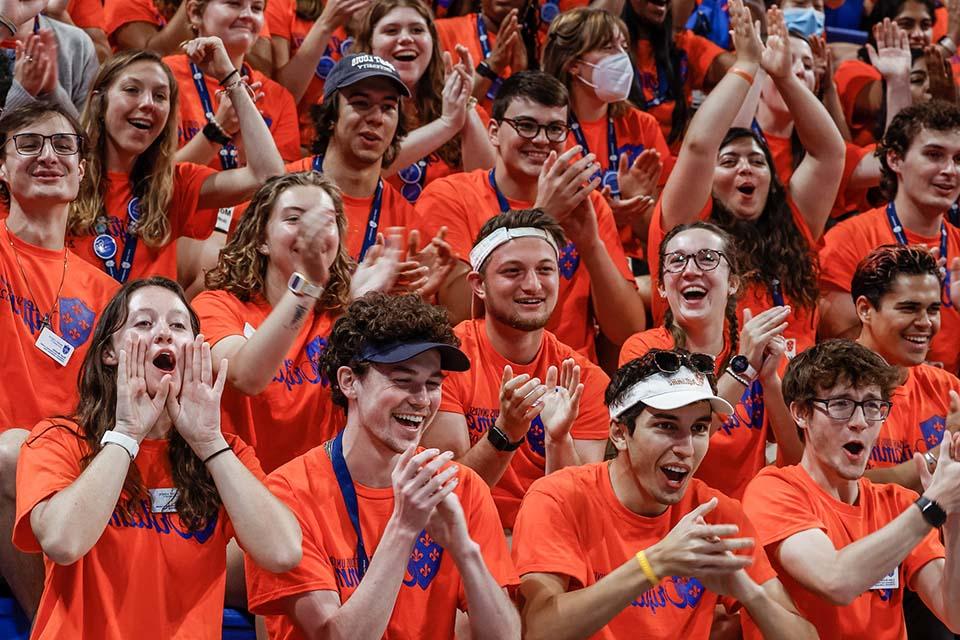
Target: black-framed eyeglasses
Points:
(31, 144)
(671, 361)
(705, 259)
(843, 408)
(530, 129)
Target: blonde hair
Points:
(242, 268)
(576, 32)
(152, 176)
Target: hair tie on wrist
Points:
(223, 83)
(216, 453)
(647, 569)
(746, 75)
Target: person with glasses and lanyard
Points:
(528, 130)
(700, 277)
(637, 546)
(844, 547)
(51, 301)
(396, 537)
(529, 404)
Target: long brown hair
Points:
(198, 501)
(152, 174)
(242, 268)
(428, 94)
(732, 255)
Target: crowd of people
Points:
(515, 318)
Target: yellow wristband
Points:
(646, 568)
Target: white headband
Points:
(501, 236)
(669, 391)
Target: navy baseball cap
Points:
(359, 66)
(451, 358)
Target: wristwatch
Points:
(742, 367)
(115, 437)
(932, 512)
(500, 441)
(485, 70)
(299, 284)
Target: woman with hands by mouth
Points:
(140, 488)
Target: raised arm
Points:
(689, 186)
(164, 40)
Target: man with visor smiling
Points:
(637, 547)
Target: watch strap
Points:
(932, 513)
(736, 376)
(487, 71)
(114, 437)
(299, 285)
(500, 441)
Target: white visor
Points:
(501, 236)
(670, 391)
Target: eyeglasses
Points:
(530, 129)
(843, 408)
(31, 144)
(671, 361)
(705, 259)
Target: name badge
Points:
(889, 581)
(164, 500)
(790, 349)
(248, 330)
(54, 346)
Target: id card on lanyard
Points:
(105, 247)
(610, 178)
(897, 228)
(373, 219)
(228, 152)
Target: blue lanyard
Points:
(414, 178)
(373, 220)
(105, 247)
(501, 199)
(485, 48)
(228, 153)
(610, 178)
(549, 10)
(901, 237)
(349, 493)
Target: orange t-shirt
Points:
(432, 589)
(918, 418)
(784, 501)
(35, 386)
(475, 394)
(851, 240)
(463, 30)
(463, 202)
(852, 77)
(571, 523)
(801, 331)
(277, 106)
(185, 220)
(295, 412)
(87, 14)
(696, 56)
(737, 447)
(118, 13)
(147, 576)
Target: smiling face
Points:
(524, 158)
(367, 122)
(696, 296)
(137, 108)
(47, 179)
(915, 19)
(905, 322)
(285, 224)
(929, 172)
(803, 68)
(236, 22)
(741, 179)
(403, 39)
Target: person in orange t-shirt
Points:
(281, 281)
(148, 486)
(87, 15)
(396, 539)
(530, 404)
(922, 194)
(126, 220)
(700, 277)
(619, 549)
(533, 170)
(844, 547)
(51, 300)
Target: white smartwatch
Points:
(299, 284)
(125, 441)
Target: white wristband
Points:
(123, 440)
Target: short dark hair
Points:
(325, 116)
(378, 319)
(535, 86)
(631, 373)
(516, 218)
(935, 115)
(877, 272)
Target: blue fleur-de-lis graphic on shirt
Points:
(535, 437)
(569, 261)
(424, 562)
(76, 321)
(932, 429)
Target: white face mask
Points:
(612, 77)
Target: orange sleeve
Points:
(545, 536)
(87, 14)
(700, 55)
(840, 255)
(117, 13)
(440, 205)
(279, 17)
(852, 77)
(640, 343)
(221, 315)
(49, 462)
(607, 228)
(483, 523)
(778, 509)
(940, 21)
(593, 421)
(186, 220)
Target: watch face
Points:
(739, 364)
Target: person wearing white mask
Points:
(586, 51)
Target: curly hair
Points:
(325, 116)
(877, 272)
(732, 254)
(427, 102)
(772, 246)
(198, 501)
(16, 119)
(152, 175)
(935, 115)
(378, 319)
(242, 268)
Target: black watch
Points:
(487, 71)
(932, 512)
(215, 133)
(500, 441)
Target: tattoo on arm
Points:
(298, 315)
